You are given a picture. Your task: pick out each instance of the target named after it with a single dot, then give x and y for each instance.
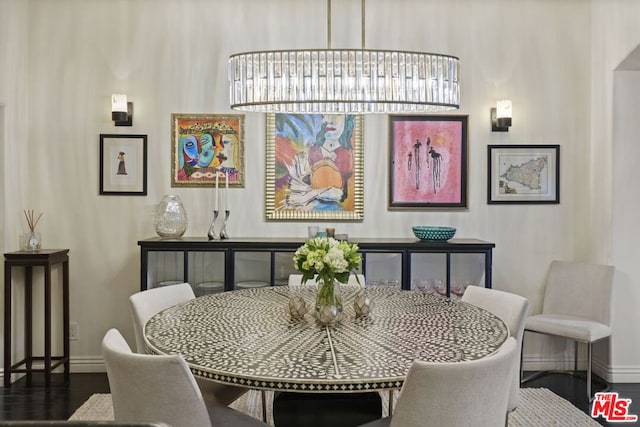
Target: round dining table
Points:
(249, 338)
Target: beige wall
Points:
(171, 57)
(14, 100)
(615, 37)
(14, 103)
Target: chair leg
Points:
(589, 372)
(264, 406)
(522, 357)
(589, 369)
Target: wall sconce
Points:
(121, 110)
(501, 116)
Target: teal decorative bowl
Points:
(430, 233)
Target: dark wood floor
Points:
(58, 402)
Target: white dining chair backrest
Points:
(579, 289)
(151, 388)
(457, 394)
(296, 280)
(512, 309)
(147, 387)
(143, 305)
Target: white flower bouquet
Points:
(328, 259)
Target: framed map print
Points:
(523, 174)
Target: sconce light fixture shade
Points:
(121, 110)
(501, 116)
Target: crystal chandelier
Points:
(345, 81)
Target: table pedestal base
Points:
(325, 409)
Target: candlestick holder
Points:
(223, 230)
(211, 234)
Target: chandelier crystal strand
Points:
(346, 81)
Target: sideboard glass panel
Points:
(165, 268)
(252, 269)
(383, 269)
(467, 269)
(206, 271)
(283, 267)
(429, 272)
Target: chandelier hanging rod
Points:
(362, 26)
(347, 81)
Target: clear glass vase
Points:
(32, 241)
(328, 302)
(170, 219)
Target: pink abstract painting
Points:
(428, 165)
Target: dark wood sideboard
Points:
(180, 259)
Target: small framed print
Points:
(204, 146)
(428, 162)
(123, 165)
(523, 174)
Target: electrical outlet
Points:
(74, 331)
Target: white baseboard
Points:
(84, 365)
(618, 374)
(91, 364)
(615, 374)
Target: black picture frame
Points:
(523, 174)
(428, 162)
(123, 165)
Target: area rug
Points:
(539, 407)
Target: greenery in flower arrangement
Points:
(328, 260)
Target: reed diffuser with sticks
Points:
(32, 240)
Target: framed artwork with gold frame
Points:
(203, 145)
(314, 167)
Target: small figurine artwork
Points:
(122, 168)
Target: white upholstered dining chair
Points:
(160, 388)
(512, 309)
(143, 305)
(576, 306)
(457, 394)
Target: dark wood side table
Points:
(43, 258)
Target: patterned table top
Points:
(248, 338)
